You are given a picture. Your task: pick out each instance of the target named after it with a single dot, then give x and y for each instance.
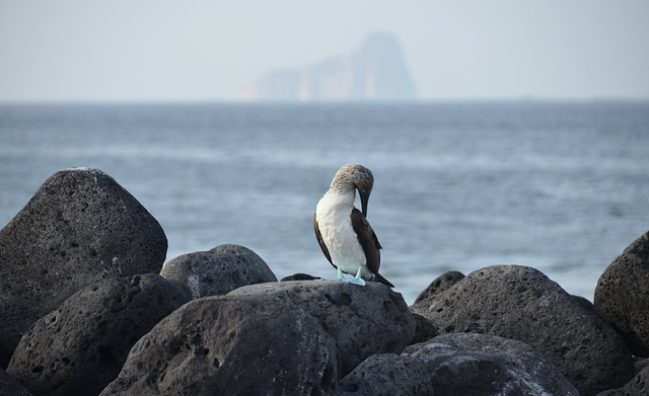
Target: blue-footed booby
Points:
(345, 236)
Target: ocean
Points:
(562, 187)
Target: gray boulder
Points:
(79, 227)
(81, 346)
(523, 304)
(425, 329)
(299, 277)
(458, 364)
(638, 386)
(294, 338)
(9, 386)
(621, 295)
(219, 270)
(440, 284)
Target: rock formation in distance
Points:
(374, 71)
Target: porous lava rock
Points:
(79, 227)
(294, 338)
(9, 386)
(299, 277)
(81, 346)
(621, 295)
(424, 330)
(521, 303)
(638, 386)
(219, 270)
(458, 364)
(440, 284)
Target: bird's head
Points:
(355, 177)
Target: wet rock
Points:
(425, 329)
(219, 270)
(10, 386)
(523, 304)
(621, 295)
(81, 346)
(79, 227)
(638, 386)
(293, 338)
(440, 284)
(299, 277)
(458, 364)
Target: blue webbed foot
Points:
(357, 280)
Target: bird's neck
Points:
(336, 200)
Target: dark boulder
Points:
(458, 364)
(584, 303)
(638, 386)
(621, 295)
(299, 277)
(363, 320)
(293, 338)
(9, 386)
(81, 346)
(79, 227)
(640, 364)
(219, 270)
(440, 284)
(523, 304)
(425, 329)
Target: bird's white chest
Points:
(333, 216)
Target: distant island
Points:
(374, 71)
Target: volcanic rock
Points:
(523, 304)
(299, 277)
(81, 346)
(79, 227)
(458, 364)
(638, 386)
(425, 329)
(9, 386)
(293, 338)
(219, 270)
(621, 295)
(440, 284)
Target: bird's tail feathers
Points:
(379, 278)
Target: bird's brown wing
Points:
(321, 241)
(368, 240)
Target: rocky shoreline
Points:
(87, 308)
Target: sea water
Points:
(562, 187)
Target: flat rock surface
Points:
(294, 338)
(81, 346)
(523, 304)
(219, 270)
(621, 295)
(458, 364)
(79, 227)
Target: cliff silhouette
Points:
(374, 71)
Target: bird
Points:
(345, 236)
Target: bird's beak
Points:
(365, 196)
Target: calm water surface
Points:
(561, 187)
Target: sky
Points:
(162, 50)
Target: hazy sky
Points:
(210, 50)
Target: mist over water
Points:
(562, 187)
